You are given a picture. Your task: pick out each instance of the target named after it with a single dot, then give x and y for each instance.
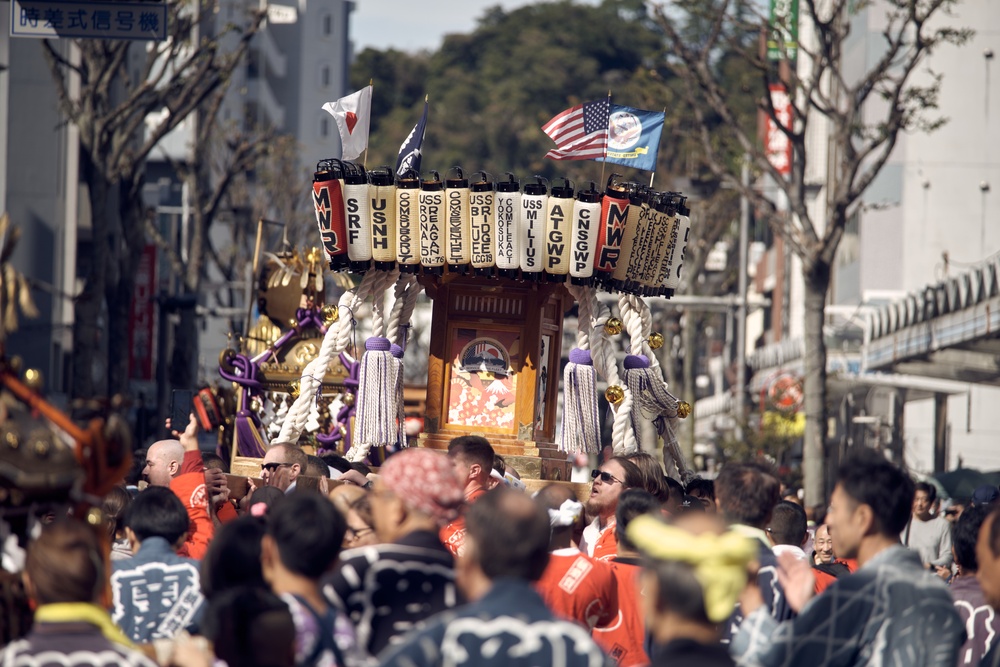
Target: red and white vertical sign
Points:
(779, 148)
(143, 317)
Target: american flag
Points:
(581, 132)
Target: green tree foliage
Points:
(491, 91)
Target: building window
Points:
(324, 76)
(324, 127)
(327, 25)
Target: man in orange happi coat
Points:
(574, 586)
(614, 476)
(472, 458)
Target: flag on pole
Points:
(409, 152)
(353, 115)
(580, 132)
(633, 137)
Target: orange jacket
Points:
(190, 488)
(453, 535)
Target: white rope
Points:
(606, 362)
(601, 348)
(336, 340)
(385, 278)
(653, 401)
(407, 291)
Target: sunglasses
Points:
(271, 467)
(606, 477)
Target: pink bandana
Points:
(426, 481)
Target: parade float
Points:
(503, 260)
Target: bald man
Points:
(164, 459)
(177, 464)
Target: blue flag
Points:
(634, 137)
(409, 152)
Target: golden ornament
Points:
(613, 326)
(348, 399)
(330, 314)
(294, 388)
(683, 409)
(33, 379)
(614, 394)
(655, 340)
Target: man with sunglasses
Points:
(282, 465)
(614, 476)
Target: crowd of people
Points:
(445, 559)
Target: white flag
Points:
(352, 114)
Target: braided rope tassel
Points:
(581, 421)
(645, 380)
(375, 423)
(336, 340)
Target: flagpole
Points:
(653, 175)
(604, 162)
(368, 130)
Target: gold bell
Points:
(294, 389)
(683, 409)
(655, 340)
(614, 394)
(330, 314)
(613, 326)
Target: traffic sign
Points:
(53, 19)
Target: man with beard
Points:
(614, 476)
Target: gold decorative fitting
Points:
(683, 409)
(11, 438)
(348, 399)
(95, 517)
(613, 326)
(330, 314)
(255, 406)
(655, 340)
(40, 447)
(614, 394)
(33, 379)
(313, 256)
(294, 389)
(293, 323)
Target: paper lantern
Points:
(507, 213)
(650, 247)
(458, 250)
(359, 233)
(678, 243)
(583, 240)
(482, 224)
(328, 202)
(382, 209)
(558, 231)
(614, 212)
(624, 269)
(663, 236)
(432, 232)
(531, 228)
(408, 222)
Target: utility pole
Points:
(741, 308)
